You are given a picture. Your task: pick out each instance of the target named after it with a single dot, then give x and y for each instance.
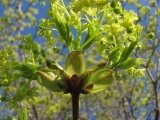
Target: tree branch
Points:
(35, 111)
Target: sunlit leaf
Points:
(49, 80)
(130, 62)
(88, 39)
(96, 67)
(57, 68)
(61, 25)
(115, 56)
(128, 50)
(99, 81)
(75, 63)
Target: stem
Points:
(35, 111)
(156, 102)
(75, 105)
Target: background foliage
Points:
(130, 97)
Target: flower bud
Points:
(49, 80)
(151, 35)
(130, 29)
(43, 3)
(117, 10)
(114, 3)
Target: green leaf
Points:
(75, 63)
(115, 53)
(23, 115)
(128, 50)
(62, 25)
(99, 81)
(54, 66)
(96, 67)
(121, 54)
(50, 80)
(88, 38)
(130, 62)
(57, 68)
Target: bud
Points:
(117, 10)
(41, 26)
(131, 71)
(130, 29)
(114, 3)
(74, 80)
(140, 73)
(139, 47)
(49, 80)
(43, 3)
(151, 35)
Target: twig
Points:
(75, 105)
(35, 112)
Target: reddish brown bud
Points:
(74, 79)
(89, 87)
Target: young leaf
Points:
(99, 81)
(61, 25)
(130, 62)
(89, 34)
(96, 67)
(115, 55)
(75, 63)
(49, 80)
(128, 50)
(56, 68)
(52, 65)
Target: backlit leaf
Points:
(130, 62)
(99, 81)
(49, 80)
(96, 67)
(75, 63)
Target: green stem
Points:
(75, 105)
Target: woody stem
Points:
(75, 105)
